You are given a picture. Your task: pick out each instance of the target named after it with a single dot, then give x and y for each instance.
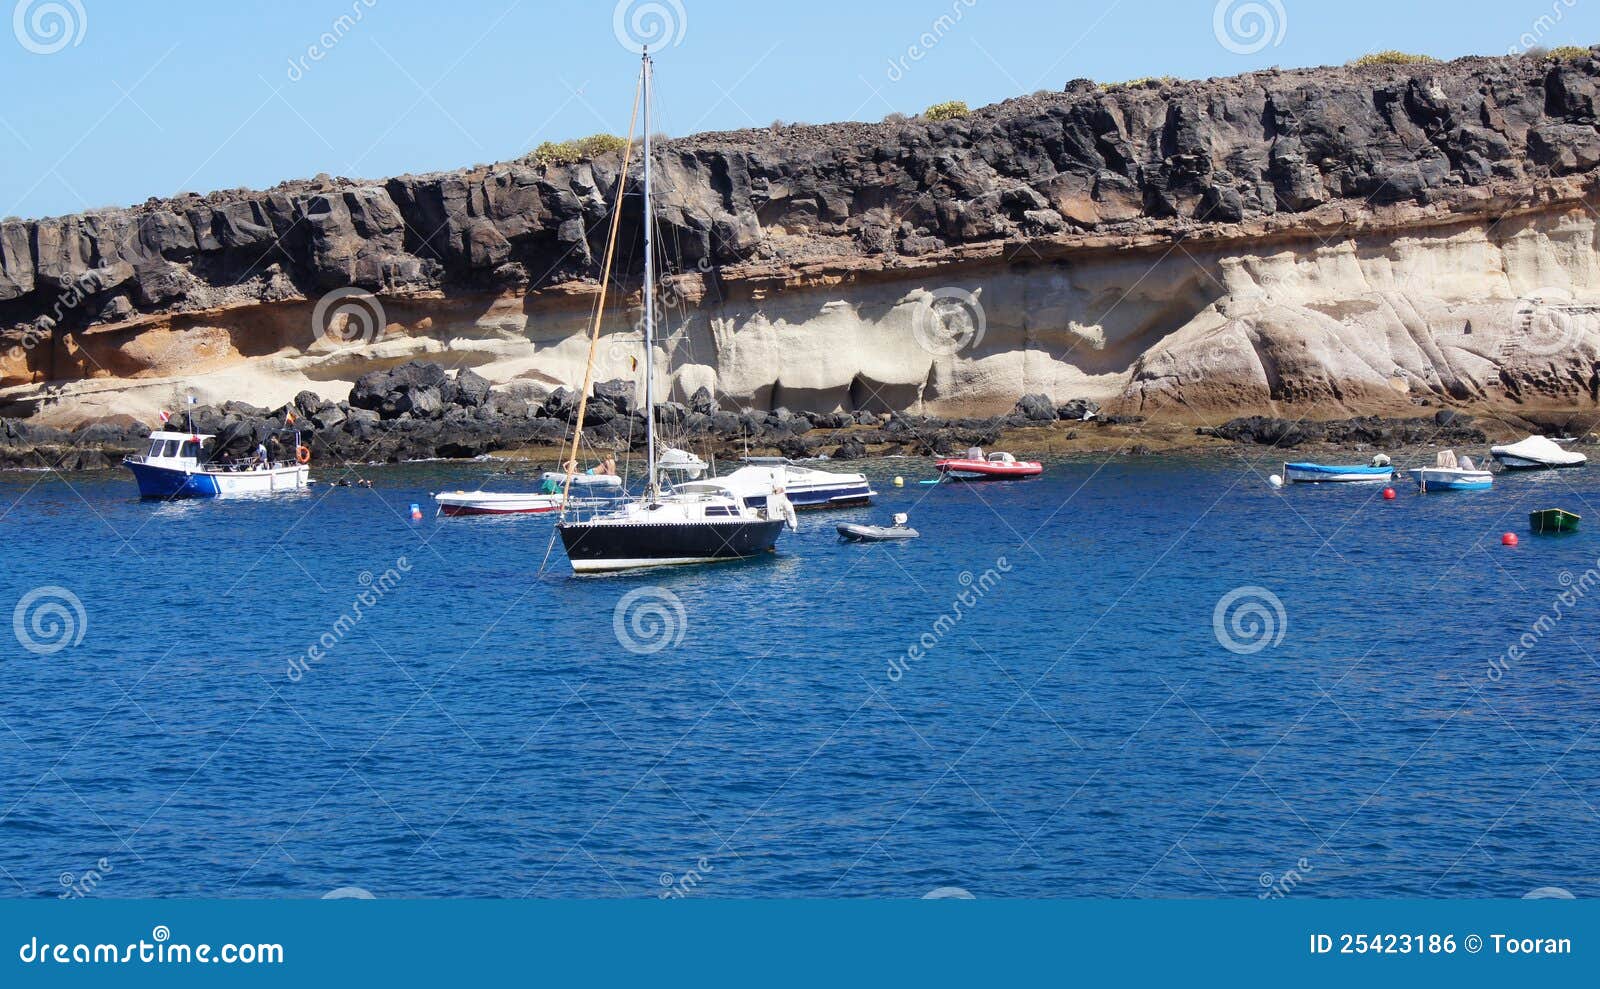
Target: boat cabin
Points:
(1002, 458)
(174, 449)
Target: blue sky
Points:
(149, 99)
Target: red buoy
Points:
(1509, 539)
(1388, 494)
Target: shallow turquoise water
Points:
(1079, 730)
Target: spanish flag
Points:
(288, 418)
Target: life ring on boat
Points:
(302, 454)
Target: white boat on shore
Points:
(1536, 453)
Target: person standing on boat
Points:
(261, 456)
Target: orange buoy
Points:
(1509, 539)
(302, 455)
(1388, 494)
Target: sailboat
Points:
(665, 527)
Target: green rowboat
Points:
(1553, 520)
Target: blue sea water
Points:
(1036, 699)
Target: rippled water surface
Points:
(1076, 726)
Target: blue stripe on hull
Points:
(164, 482)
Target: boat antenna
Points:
(652, 488)
(600, 303)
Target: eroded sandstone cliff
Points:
(1326, 240)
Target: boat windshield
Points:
(191, 449)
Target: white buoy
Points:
(899, 481)
(1275, 481)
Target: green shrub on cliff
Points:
(567, 152)
(1567, 51)
(950, 110)
(1392, 57)
(1139, 83)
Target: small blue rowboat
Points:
(1308, 473)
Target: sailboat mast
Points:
(649, 302)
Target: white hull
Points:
(1294, 476)
(1536, 453)
(259, 482)
(495, 503)
(1451, 479)
(603, 566)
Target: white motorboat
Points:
(1450, 474)
(808, 487)
(1536, 453)
(803, 487)
(495, 502)
(171, 468)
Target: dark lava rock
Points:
(1078, 409)
(1036, 408)
(850, 449)
(472, 388)
(702, 401)
(618, 394)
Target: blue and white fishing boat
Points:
(171, 468)
(1449, 474)
(1309, 473)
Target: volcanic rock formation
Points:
(1323, 241)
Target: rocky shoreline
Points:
(420, 411)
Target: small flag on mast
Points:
(166, 416)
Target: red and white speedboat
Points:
(495, 502)
(995, 467)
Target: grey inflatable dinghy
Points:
(878, 533)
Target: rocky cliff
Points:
(1322, 241)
